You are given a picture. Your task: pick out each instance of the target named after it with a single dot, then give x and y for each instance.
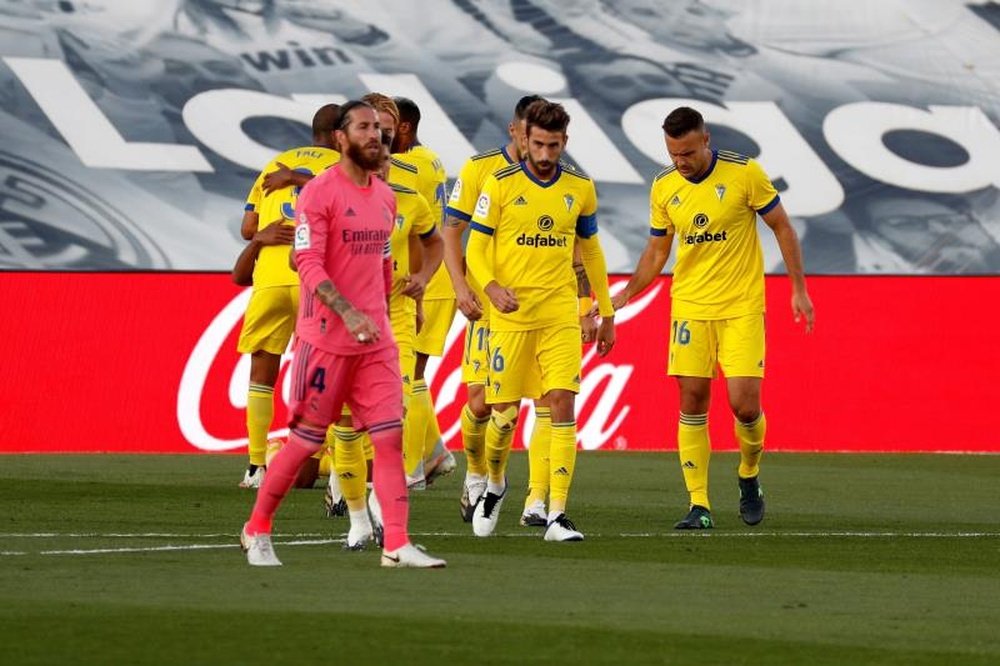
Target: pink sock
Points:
(281, 475)
(390, 482)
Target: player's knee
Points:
(560, 404)
(694, 401)
(264, 368)
(746, 413)
(477, 402)
(504, 417)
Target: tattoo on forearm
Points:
(582, 281)
(332, 298)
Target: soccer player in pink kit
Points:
(344, 350)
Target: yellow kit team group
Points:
(525, 283)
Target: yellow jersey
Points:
(413, 216)
(420, 169)
(271, 269)
(465, 192)
(533, 225)
(719, 272)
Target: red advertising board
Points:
(147, 362)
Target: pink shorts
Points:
(322, 383)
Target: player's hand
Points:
(588, 328)
(361, 327)
(278, 179)
(468, 303)
(802, 308)
(605, 336)
(414, 286)
(502, 298)
(276, 233)
(619, 300)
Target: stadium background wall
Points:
(146, 363)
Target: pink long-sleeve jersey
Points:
(342, 235)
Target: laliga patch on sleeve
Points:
(483, 206)
(456, 191)
(302, 235)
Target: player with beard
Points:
(475, 307)
(521, 251)
(414, 226)
(345, 352)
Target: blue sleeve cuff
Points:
(653, 231)
(249, 207)
(481, 228)
(428, 234)
(767, 209)
(454, 212)
(586, 225)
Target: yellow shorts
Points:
(476, 356)
(529, 364)
(698, 347)
(438, 315)
(404, 326)
(270, 320)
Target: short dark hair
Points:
(325, 119)
(409, 112)
(547, 115)
(522, 105)
(343, 118)
(682, 120)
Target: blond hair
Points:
(381, 102)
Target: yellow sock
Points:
(751, 439)
(474, 441)
(562, 463)
(415, 427)
(433, 442)
(326, 462)
(350, 464)
(366, 445)
(538, 457)
(695, 450)
(499, 433)
(260, 413)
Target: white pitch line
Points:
(153, 549)
(316, 539)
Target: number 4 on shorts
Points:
(318, 380)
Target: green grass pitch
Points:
(889, 559)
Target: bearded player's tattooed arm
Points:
(332, 298)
